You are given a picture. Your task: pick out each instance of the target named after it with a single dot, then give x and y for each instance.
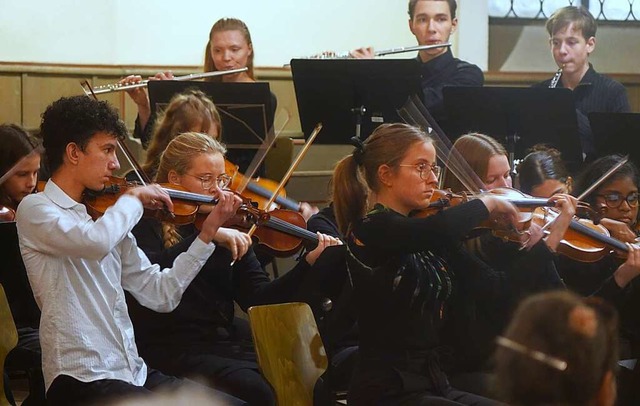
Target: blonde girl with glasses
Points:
(201, 338)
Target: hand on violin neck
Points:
(566, 205)
(619, 230)
(228, 204)
(501, 211)
(630, 269)
(324, 241)
(152, 197)
(235, 241)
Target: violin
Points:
(280, 232)
(7, 214)
(584, 241)
(258, 189)
(440, 200)
(185, 204)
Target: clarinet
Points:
(556, 78)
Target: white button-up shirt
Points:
(78, 269)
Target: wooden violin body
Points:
(258, 189)
(7, 214)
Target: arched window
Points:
(603, 10)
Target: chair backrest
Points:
(289, 349)
(8, 339)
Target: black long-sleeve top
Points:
(416, 288)
(13, 278)
(595, 93)
(443, 71)
(596, 279)
(403, 287)
(206, 310)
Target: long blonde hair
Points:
(185, 110)
(477, 149)
(179, 156)
(228, 24)
(357, 174)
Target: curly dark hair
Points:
(76, 119)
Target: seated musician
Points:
(191, 110)
(525, 271)
(406, 271)
(19, 156)
(542, 173)
(572, 36)
(200, 337)
(229, 47)
(559, 350)
(610, 277)
(433, 22)
(79, 268)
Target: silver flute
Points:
(347, 54)
(117, 87)
(556, 78)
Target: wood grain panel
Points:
(10, 99)
(41, 90)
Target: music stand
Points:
(345, 94)
(245, 108)
(519, 118)
(616, 133)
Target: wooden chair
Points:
(8, 339)
(289, 349)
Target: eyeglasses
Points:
(208, 181)
(424, 170)
(613, 200)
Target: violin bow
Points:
(287, 175)
(415, 113)
(292, 168)
(37, 150)
(603, 178)
(137, 169)
(594, 186)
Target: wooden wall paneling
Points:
(40, 90)
(10, 99)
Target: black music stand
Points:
(517, 117)
(616, 133)
(245, 108)
(345, 94)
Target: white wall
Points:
(162, 32)
(174, 33)
(472, 37)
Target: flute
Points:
(347, 54)
(116, 87)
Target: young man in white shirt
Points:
(79, 268)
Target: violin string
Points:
(413, 112)
(292, 229)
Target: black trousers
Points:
(26, 358)
(68, 391)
